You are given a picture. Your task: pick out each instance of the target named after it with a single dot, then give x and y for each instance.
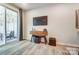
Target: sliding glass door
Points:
(11, 25)
(8, 25)
(2, 25)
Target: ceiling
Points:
(29, 6)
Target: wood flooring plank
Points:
(29, 48)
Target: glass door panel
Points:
(2, 25)
(11, 25)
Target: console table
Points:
(39, 35)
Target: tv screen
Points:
(38, 21)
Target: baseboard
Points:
(66, 44)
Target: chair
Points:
(11, 35)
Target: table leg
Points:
(45, 40)
(31, 38)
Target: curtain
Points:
(21, 28)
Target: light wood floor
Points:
(30, 48)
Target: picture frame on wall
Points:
(40, 21)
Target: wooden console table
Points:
(39, 35)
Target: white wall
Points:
(24, 24)
(61, 22)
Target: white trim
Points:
(67, 44)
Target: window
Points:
(11, 24)
(8, 25)
(2, 25)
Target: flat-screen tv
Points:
(38, 21)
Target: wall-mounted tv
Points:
(39, 21)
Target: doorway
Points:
(8, 25)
